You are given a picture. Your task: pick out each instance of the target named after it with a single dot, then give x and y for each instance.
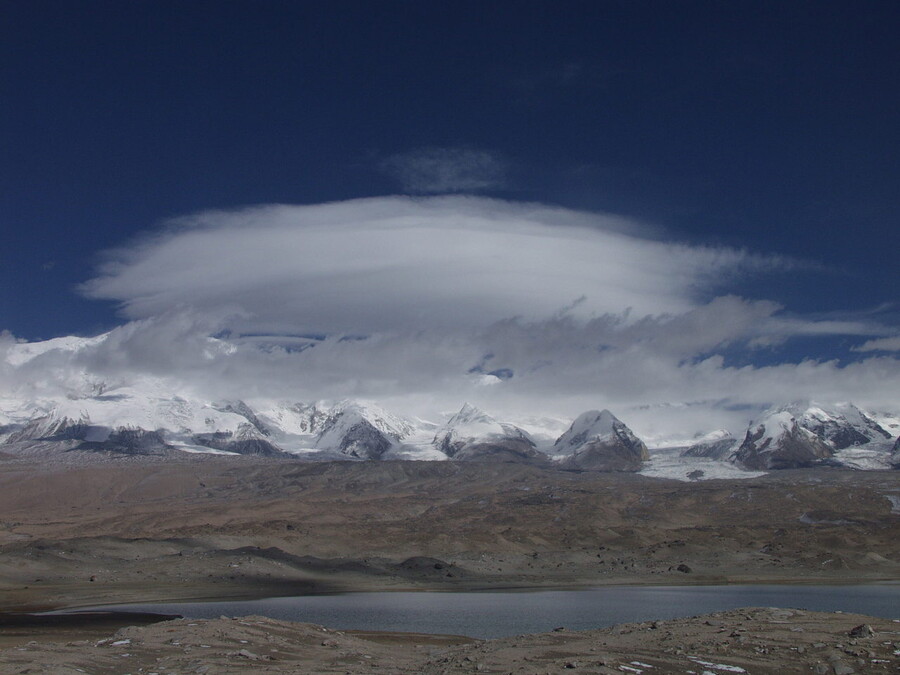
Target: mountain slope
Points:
(362, 431)
(778, 441)
(599, 441)
(806, 433)
(473, 435)
(841, 425)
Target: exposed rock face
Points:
(598, 441)
(895, 454)
(778, 441)
(502, 450)
(247, 440)
(472, 435)
(718, 444)
(128, 441)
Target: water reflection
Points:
(494, 614)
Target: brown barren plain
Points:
(87, 529)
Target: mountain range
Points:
(145, 417)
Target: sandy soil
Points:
(89, 529)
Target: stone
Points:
(863, 630)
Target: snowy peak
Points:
(592, 425)
(361, 431)
(245, 440)
(470, 415)
(51, 427)
(24, 352)
(473, 435)
(778, 441)
(471, 425)
(804, 433)
(80, 434)
(599, 441)
(394, 426)
(841, 425)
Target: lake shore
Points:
(757, 640)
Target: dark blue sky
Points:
(768, 126)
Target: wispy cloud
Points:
(446, 170)
(886, 344)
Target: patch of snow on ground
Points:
(717, 666)
(895, 503)
(666, 463)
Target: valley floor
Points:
(103, 529)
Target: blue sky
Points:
(766, 131)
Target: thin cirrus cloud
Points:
(435, 170)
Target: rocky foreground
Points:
(752, 640)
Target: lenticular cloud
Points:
(401, 264)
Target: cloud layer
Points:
(421, 304)
(403, 264)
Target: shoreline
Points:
(97, 608)
(761, 640)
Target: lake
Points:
(488, 614)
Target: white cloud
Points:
(404, 264)
(887, 344)
(446, 170)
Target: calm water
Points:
(494, 614)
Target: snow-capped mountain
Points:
(246, 440)
(79, 434)
(81, 410)
(841, 425)
(599, 441)
(476, 436)
(718, 444)
(362, 431)
(805, 433)
(778, 441)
